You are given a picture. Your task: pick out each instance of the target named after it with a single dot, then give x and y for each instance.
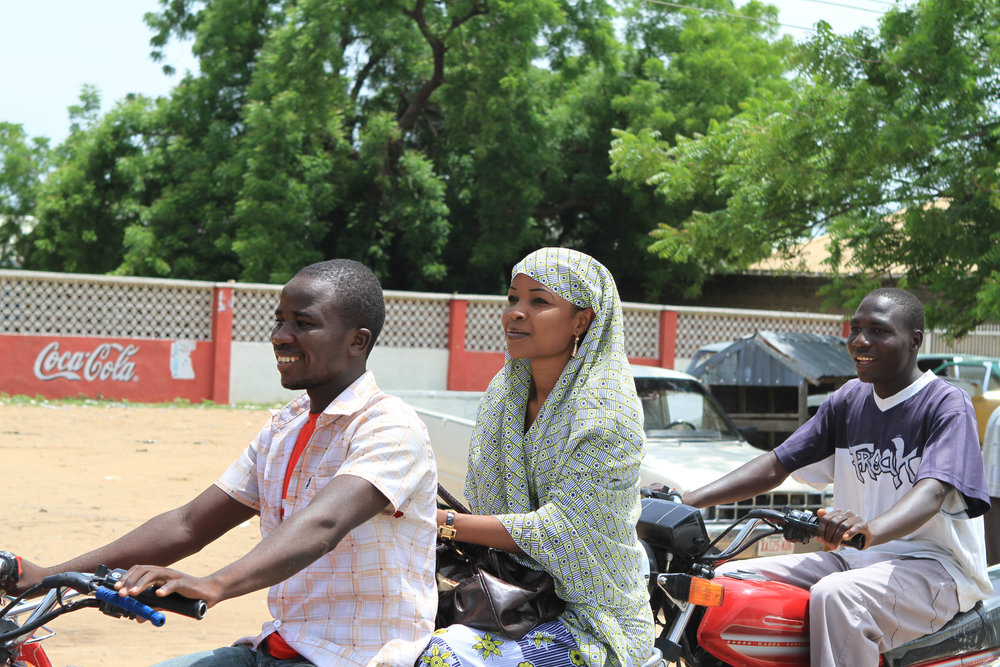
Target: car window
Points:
(974, 373)
(971, 376)
(681, 408)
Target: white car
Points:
(690, 442)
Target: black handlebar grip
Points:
(175, 603)
(800, 525)
(858, 541)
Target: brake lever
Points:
(78, 581)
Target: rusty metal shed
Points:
(773, 380)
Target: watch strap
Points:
(447, 531)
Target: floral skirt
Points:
(548, 645)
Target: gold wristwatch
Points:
(447, 531)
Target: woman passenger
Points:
(553, 471)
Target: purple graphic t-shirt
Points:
(874, 450)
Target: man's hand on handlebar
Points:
(140, 577)
(837, 526)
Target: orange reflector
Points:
(705, 593)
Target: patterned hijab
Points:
(567, 489)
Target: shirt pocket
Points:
(309, 477)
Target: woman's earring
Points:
(576, 342)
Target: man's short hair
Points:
(355, 291)
(913, 310)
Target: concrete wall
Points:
(253, 375)
(409, 368)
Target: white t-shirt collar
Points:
(913, 389)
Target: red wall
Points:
(139, 370)
(116, 368)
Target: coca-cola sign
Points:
(107, 361)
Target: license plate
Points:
(775, 545)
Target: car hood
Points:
(686, 465)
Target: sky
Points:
(49, 49)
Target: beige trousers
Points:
(862, 603)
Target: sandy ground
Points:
(78, 476)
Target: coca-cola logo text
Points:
(101, 363)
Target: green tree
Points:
(554, 123)
(196, 165)
(682, 71)
(889, 143)
(22, 164)
(95, 192)
(436, 141)
(328, 169)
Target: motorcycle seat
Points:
(970, 631)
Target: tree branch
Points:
(359, 80)
(438, 49)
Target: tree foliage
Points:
(85, 206)
(22, 163)
(436, 140)
(888, 143)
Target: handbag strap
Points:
(452, 501)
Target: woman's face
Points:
(538, 323)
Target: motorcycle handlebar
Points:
(175, 603)
(130, 605)
(104, 580)
(800, 525)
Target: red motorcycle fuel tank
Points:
(761, 623)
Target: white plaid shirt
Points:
(372, 600)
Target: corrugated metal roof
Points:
(779, 359)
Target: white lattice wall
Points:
(411, 319)
(58, 304)
(253, 312)
(642, 331)
(415, 320)
(103, 306)
(483, 331)
(697, 327)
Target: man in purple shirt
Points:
(901, 449)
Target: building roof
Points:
(779, 359)
(809, 258)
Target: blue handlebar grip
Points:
(130, 605)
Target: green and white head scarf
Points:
(567, 489)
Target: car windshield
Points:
(679, 408)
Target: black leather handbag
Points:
(488, 589)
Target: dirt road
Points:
(78, 476)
